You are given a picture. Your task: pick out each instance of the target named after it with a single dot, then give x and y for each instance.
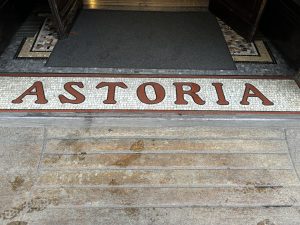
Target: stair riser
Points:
(169, 5)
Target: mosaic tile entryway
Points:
(41, 45)
(148, 93)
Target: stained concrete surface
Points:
(169, 171)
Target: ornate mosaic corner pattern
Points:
(27, 52)
(237, 45)
(46, 38)
(244, 51)
(41, 46)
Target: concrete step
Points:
(149, 175)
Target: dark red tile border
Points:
(177, 112)
(142, 76)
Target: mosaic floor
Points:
(180, 95)
(33, 43)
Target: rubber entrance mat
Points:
(144, 40)
(98, 93)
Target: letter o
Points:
(159, 92)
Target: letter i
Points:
(220, 93)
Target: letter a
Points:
(36, 89)
(255, 94)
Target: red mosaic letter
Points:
(79, 98)
(159, 92)
(36, 89)
(255, 94)
(220, 92)
(111, 90)
(180, 93)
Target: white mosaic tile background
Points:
(284, 93)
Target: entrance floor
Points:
(153, 171)
(35, 51)
(141, 168)
(35, 40)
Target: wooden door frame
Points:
(64, 19)
(230, 16)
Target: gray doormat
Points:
(144, 40)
